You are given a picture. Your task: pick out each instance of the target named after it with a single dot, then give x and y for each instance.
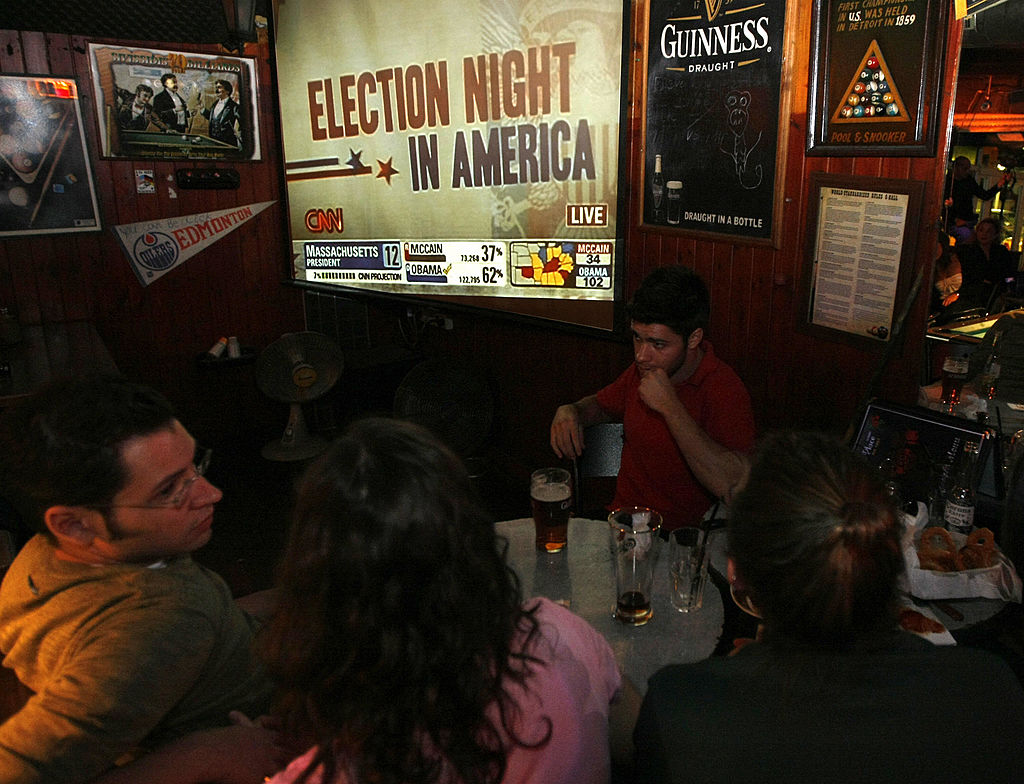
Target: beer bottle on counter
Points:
(990, 374)
(960, 503)
(658, 191)
(954, 373)
(887, 468)
(913, 466)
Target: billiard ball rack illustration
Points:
(872, 95)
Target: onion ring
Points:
(979, 552)
(937, 551)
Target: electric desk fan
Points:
(297, 368)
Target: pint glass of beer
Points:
(551, 500)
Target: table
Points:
(582, 578)
(50, 351)
(970, 331)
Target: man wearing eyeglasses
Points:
(128, 644)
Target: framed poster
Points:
(157, 104)
(714, 109)
(860, 229)
(46, 184)
(874, 83)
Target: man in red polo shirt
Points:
(687, 417)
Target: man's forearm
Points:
(590, 412)
(569, 423)
(721, 470)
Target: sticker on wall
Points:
(156, 247)
(144, 181)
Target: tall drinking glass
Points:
(688, 568)
(634, 533)
(551, 502)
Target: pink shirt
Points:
(573, 688)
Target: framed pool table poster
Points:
(46, 182)
(152, 103)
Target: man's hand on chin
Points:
(656, 390)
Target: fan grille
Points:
(298, 367)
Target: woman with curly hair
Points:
(404, 652)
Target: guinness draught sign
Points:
(712, 107)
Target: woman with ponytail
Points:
(832, 690)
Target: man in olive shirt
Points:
(127, 643)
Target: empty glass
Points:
(634, 539)
(688, 568)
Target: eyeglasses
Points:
(175, 495)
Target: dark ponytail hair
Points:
(816, 540)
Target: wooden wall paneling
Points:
(37, 53)
(758, 314)
(78, 273)
(869, 167)
(223, 262)
(742, 290)
(793, 378)
(190, 287)
(24, 274)
(58, 55)
(740, 279)
(271, 236)
(700, 256)
(6, 283)
(46, 263)
(96, 252)
(246, 248)
(647, 247)
(154, 333)
(674, 250)
(121, 299)
(712, 262)
(12, 60)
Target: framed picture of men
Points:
(152, 103)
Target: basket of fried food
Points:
(946, 565)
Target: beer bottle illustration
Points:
(658, 191)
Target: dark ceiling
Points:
(181, 21)
(202, 21)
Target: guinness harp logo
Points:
(713, 7)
